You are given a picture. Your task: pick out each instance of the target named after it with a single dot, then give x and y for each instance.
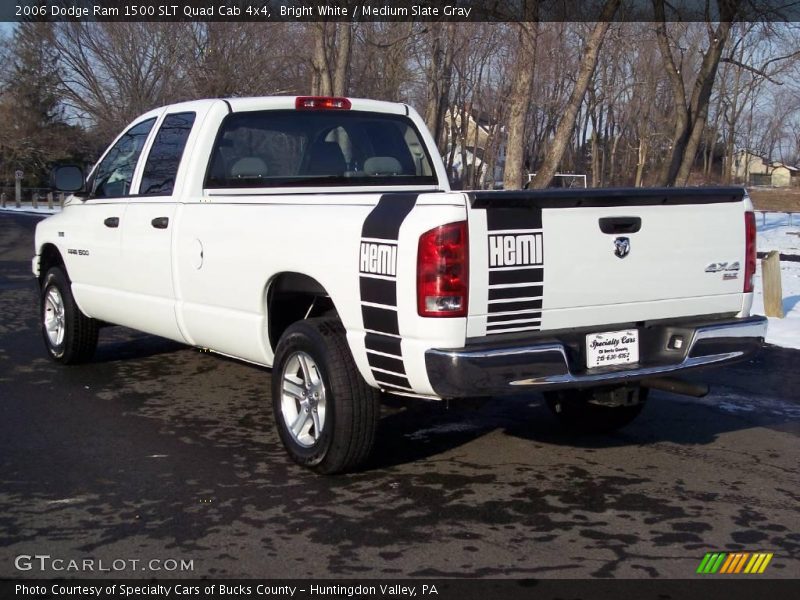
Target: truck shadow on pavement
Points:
(172, 451)
(424, 430)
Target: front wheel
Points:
(69, 336)
(326, 413)
(597, 410)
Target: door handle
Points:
(160, 222)
(620, 224)
(111, 222)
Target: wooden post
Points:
(3, 199)
(771, 276)
(61, 199)
(50, 200)
(35, 199)
(18, 193)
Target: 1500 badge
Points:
(77, 252)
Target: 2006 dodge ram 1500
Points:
(319, 237)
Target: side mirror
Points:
(67, 178)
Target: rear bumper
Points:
(558, 362)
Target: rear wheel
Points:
(597, 410)
(69, 336)
(326, 413)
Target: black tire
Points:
(78, 338)
(349, 408)
(592, 411)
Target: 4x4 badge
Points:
(622, 247)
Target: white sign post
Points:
(18, 187)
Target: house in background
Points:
(784, 175)
(477, 134)
(753, 169)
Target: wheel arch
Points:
(49, 257)
(291, 297)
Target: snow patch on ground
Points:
(460, 427)
(734, 403)
(29, 210)
(776, 231)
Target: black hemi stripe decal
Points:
(383, 320)
(517, 316)
(516, 269)
(387, 363)
(507, 327)
(499, 219)
(383, 344)
(378, 291)
(531, 274)
(530, 291)
(392, 380)
(377, 265)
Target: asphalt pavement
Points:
(159, 452)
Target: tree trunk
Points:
(519, 102)
(567, 123)
(700, 100)
(440, 75)
(613, 167)
(344, 35)
(595, 160)
(330, 58)
(321, 82)
(642, 160)
(690, 120)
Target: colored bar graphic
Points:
(741, 562)
(703, 563)
(754, 563)
(731, 563)
(718, 564)
(734, 562)
(767, 558)
(728, 563)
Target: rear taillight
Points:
(443, 271)
(321, 103)
(750, 250)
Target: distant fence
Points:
(34, 197)
(791, 216)
(788, 218)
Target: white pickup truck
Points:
(319, 237)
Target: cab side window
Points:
(113, 176)
(164, 159)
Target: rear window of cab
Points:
(285, 148)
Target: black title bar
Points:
(264, 11)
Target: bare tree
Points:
(112, 72)
(238, 59)
(690, 113)
(381, 67)
(519, 97)
(331, 58)
(34, 128)
(439, 75)
(555, 152)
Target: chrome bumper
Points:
(550, 364)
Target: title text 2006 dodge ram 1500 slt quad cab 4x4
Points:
(319, 237)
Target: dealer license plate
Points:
(612, 348)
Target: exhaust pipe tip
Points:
(677, 386)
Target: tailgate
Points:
(558, 259)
